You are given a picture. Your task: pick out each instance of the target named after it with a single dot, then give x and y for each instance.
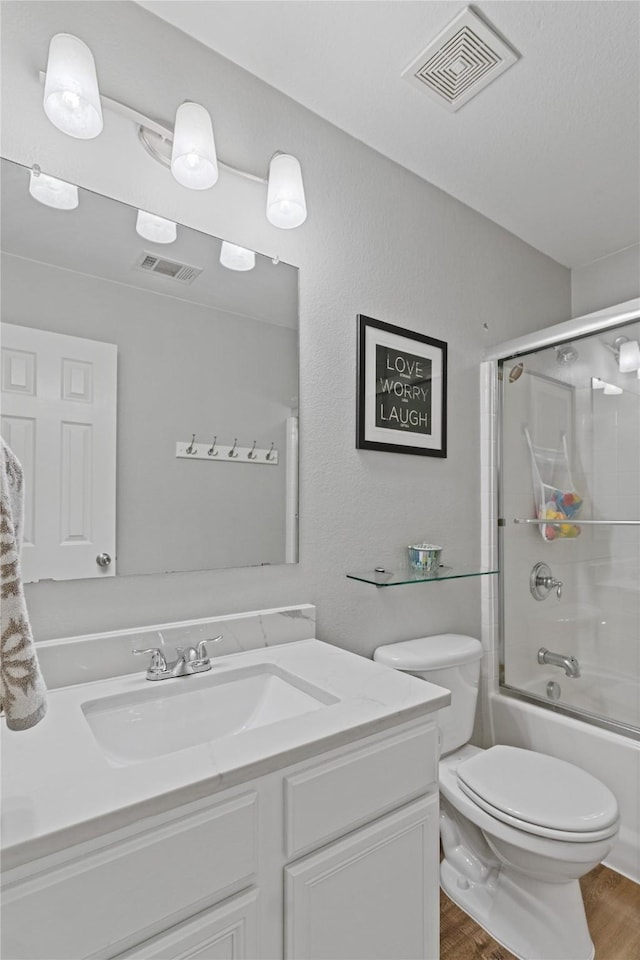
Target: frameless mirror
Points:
(150, 393)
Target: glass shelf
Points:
(403, 574)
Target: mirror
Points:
(150, 393)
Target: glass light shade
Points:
(611, 390)
(52, 192)
(71, 96)
(236, 258)
(193, 155)
(629, 356)
(154, 228)
(286, 205)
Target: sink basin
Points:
(180, 713)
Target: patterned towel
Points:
(22, 690)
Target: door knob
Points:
(103, 559)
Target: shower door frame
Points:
(493, 521)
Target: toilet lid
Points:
(430, 653)
(537, 790)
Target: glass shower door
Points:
(570, 534)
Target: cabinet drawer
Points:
(104, 901)
(331, 798)
(228, 931)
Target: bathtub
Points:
(613, 758)
(608, 696)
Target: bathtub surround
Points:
(377, 240)
(23, 697)
(598, 616)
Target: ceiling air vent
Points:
(182, 272)
(463, 59)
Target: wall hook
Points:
(231, 452)
(191, 448)
(212, 448)
(251, 455)
(268, 456)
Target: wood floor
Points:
(612, 904)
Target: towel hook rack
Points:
(225, 453)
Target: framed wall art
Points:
(401, 394)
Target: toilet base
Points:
(532, 919)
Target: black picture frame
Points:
(401, 395)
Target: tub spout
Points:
(569, 664)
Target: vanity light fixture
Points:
(73, 104)
(286, 204)
(71, 96)
(193, 155)
(154, 228)
(52, 192)
(236, 258)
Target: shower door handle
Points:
(542, 582)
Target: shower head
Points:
(566, 354)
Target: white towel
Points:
(23, 695)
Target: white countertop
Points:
(59, 787)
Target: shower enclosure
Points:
(568, 503)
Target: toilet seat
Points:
(539, 794)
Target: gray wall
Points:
(377, 241)
(182, 369)
(605, 282)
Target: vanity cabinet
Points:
(343, 845)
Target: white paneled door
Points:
(59, 418)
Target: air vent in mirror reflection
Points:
(183, 272)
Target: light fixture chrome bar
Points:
(579, 522)
(159, 148)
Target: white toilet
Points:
(518, 828)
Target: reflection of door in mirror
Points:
(59, 418)
(203, 350)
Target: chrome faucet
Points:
(188, 660)
(569, 664)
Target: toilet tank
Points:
(451, 660)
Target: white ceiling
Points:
(550, 150)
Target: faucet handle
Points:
(158, 660)
(201, 649)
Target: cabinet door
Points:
(374, 895)
(224, 932)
